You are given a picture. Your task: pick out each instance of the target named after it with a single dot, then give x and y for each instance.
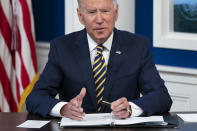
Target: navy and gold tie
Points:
(99, 72)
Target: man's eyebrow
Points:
(90, 9)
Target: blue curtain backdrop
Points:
(49, 19)
(144, 26)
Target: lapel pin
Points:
(118, 52)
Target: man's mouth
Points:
(99, 29)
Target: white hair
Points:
(79, 3)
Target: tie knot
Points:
(100, 48)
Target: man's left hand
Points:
(121, 108)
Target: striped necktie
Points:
(99, 72)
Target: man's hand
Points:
(73, 109)
(121, 108)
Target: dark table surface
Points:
(9, 121)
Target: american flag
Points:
(18, 65)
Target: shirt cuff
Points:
(56, 109)
(136, 110)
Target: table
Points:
(9, 121)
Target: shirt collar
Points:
(93, 44)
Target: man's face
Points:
(98, 17)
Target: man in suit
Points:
(99, 63)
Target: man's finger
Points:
(76, 118)
(77, 114)
(76, 109)
(81, 94)
(120, 107)
(121, 114)
(74, 102)
(77, 101)
(118, 102)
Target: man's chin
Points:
(101, 37)
(101, 40)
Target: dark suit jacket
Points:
(128, 74)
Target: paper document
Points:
(33, 124)
(107, 119)
(188, 117)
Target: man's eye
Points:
(91, 12)
(105, 11)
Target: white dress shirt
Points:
(136, 110)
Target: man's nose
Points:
(99, 18)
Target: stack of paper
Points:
(108, 119)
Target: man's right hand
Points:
(73, 109)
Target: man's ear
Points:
(80, 16)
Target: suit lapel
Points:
(82, 54)
(115, 59)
